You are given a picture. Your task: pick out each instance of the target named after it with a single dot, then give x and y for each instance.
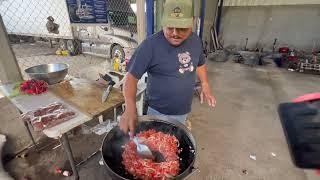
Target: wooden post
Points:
(141, 20)
(9, 68)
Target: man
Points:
(172, 58)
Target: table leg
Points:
(30, 134)
(115, 114)
(67, 149)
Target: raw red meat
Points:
(146, 169)
(49, 120)
(48, 116)
(48, 109)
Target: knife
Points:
(107, 91)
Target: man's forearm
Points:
(130, 91)
(202, 75)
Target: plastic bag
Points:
(48, 116)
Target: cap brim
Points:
(177, 23)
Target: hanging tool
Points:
(245, 47)
(274, 45)
(213, 39)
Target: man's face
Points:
(176, 36)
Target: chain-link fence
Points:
(70, 31)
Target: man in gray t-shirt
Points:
(173, 58)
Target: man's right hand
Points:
(129, 118)
(128, 122)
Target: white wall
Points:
(268, 2)
(297, 26)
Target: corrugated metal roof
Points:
(268, 2)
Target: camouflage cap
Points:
(177, 14)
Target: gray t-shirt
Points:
(171, 72)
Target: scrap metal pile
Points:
(299, 61)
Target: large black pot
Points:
(112, 146)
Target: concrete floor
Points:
(31, 54)
(245, 122)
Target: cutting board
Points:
(86, 96)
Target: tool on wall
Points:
(274, 45)
(245, 46)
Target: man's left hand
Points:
(207, 96)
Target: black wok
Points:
(112, 146)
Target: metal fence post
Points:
(150, 17)
(9, 69)
(202, 16)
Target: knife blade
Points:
(106, 93)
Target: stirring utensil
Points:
(142, 149)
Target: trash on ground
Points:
(22, 156)
(104, 127)
(56, 146)
(253, 157)
(101, 162)
(66, 173)
(244, 171)
(85, 129)
(57, 170)
(273, 154)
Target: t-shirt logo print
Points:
(185, 62)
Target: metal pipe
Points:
(150, 17)
(67, 148)
(202, 15)
(219, 17)
(30, 134)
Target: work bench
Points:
(80, 95)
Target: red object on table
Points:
(33, 87)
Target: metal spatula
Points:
(142, 149)
(144, 152)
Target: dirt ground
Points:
(244, 123)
